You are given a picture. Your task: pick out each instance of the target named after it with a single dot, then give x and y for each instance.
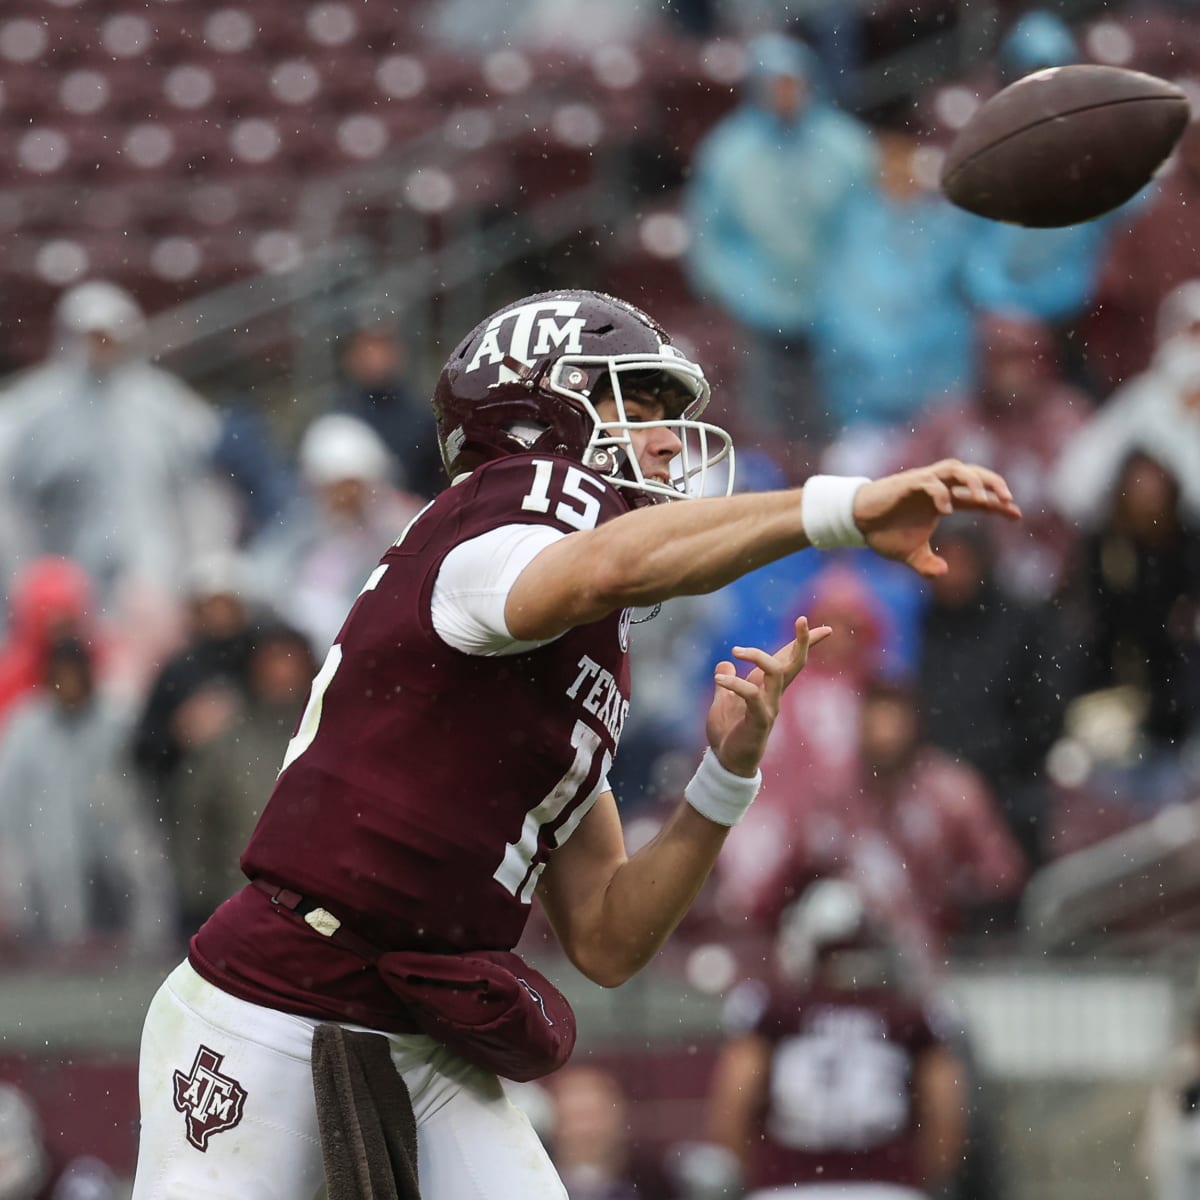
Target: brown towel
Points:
(368, 1132)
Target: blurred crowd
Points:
(952, 737)
(174, 574)
(175, 567)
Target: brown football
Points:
(1064, 145)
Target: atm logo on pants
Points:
(210, 1101)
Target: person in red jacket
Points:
(51, 598)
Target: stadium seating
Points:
(192, 129)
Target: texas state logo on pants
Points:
(211, 1102)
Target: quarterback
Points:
(452, 763)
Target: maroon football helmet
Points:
(829, 925)
(523, 381)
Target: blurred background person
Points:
(995, 676)
(83, 862)
(311, 568)
(226, 779)
(589, 1134)
(107, 460)
(1139, 596)
(1144, 264)
(376, 389)
(24, 1163)
(1157, 411)
(892, 326)
(766, 200)
(257, 477)
(838, 1078)
(1022, 415)
(938, 818)
(31, 1170)
(920, 834)
(196, 694)
(1128, 752)
(816, 736)
(51, 598)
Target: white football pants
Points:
(228, 1111)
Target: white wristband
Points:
(829, 511)
(718, 794)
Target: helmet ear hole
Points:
(526, 433)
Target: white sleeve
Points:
(473, 583)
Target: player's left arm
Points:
(610, 912)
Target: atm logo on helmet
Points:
(532, 330)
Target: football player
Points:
(453, 757)
(839, 1077)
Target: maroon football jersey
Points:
(424, 788)
(839, 1105)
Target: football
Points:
(1064, 145)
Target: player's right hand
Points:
(898, 513)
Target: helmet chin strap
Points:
(609, 462)
(648, 617)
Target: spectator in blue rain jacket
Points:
(894, 332)
(767, 198)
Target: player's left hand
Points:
(744, 709)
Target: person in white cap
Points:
(1156, 412)
(312, 566)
